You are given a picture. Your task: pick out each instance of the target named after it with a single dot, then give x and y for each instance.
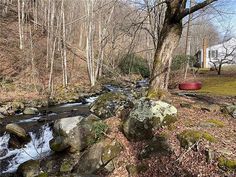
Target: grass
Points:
(219, 85)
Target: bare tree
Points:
(224, 53)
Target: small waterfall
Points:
(37, 148)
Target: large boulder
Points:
(77, 133)
(31, 111)
(146, 116)
(98, 156)
(107, 104)
(29, 168)
(158, 145)
(18, 131)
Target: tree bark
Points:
(162, 56)
(169, 37)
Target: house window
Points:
(212, 53)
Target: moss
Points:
(65, 167)
(44, 174)
(208, 137)
(99, 128)
(134, 170)
(216, 122)
(189, 137)
(158, 145)
(186, 105)
(107, 104)
(111, 151)
(226, 164)
(156, 94)
(169, 119)
(109, 96)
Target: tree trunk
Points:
(168, 40)
(219, 69)
(170, 37)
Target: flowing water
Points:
(40, 130)
(37, 148)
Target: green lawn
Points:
(219, 85)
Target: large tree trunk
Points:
(170, 38)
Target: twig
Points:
(183, 154)
(108, 136)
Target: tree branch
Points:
(195, 8)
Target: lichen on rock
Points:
(107, 104)
(146, 116)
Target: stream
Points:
(39, 128)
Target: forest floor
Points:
(182, 162)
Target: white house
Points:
(221, 53)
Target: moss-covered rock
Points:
(29, 168)
(146, 116)
(227, 164)
(157, 94)
(211, 123)
(65, 95)
(189, 137)
(98, 156)
(107, 104)
(110, 151)
(66, 166)
(216, 122)
(134, 170)
(77, 133)
(186, 105)
(18, 131)
(31, 111)
(59, 144)
(158, 145)
(43, 174)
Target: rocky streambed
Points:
(39, 129)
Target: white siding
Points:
(223, 49)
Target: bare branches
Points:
(196, 8)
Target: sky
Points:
(227, 17)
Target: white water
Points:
(91, 99)
(33, 119)
(70, 105)
(88, 100)
(37, 148)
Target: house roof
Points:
(231, 40)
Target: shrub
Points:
(180, 61)
(133, 64)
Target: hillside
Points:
(18, 79)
